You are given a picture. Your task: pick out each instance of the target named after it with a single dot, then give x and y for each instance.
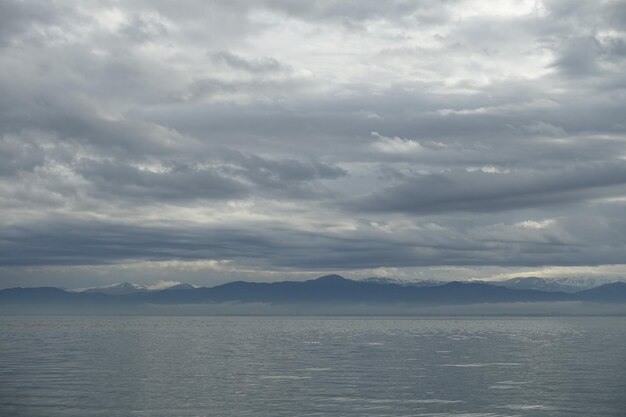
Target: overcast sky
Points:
(263, 140)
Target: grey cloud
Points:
(259, 65)
(333, 11)
(111, 242)
(63, 241)
(288, 170)
(580, 13)
(16, 156)
(577, 33)
(615, 48)
(494, 128)
(352, 13)
(288, 177)
(17, 17)
(579, 57)
(234, 176)
(615, 14)
(175, 182)
(254, 90)
(142, 28)
(479, 191)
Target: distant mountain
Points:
(563, 284)
(39, 294)
(420, 283)
(45, 297)
(327, 290)
(382, 280)
(614, 292)
(181, 286)
(543, 284)
(425, 283)
(126, 288)
(122, 288)
(568, 285)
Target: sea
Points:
(313, 366)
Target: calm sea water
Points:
(208, 366)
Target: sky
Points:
(264, 140)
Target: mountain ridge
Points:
(326, 290)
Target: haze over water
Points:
(249, 366)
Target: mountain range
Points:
(327, 290)
(569, 285)
(125, 288)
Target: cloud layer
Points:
(272, 138)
